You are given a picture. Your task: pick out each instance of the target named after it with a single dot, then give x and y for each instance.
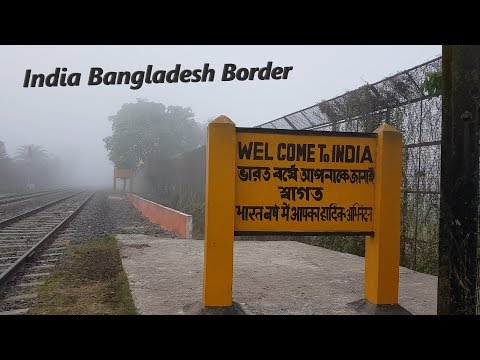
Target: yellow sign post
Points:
(219, 216)
(382, 250)
(267, 182)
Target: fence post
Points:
(459, 193)
(382, 251)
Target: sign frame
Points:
(313, 134)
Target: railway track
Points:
(12, 199)
(30, 245)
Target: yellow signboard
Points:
(264, 181)
(123, 173)
(304, 182)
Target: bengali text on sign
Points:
(304, 183)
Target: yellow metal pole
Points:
(219, 213)
(382, 251)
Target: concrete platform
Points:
(280, 277)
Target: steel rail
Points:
(20, 198)
(11, 270)
(8, 196)
(26, 214)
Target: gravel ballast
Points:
(108, 213)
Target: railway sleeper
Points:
(5, 253)
(51, 255)
(22, 297)
(43, 261)
(15, 312)
(58, 248)
(36, 275)
(41, 267)
(31, 284)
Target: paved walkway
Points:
(274, 277)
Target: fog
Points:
(70, 122)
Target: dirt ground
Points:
(280, 277)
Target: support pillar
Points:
(382, 250)
(219, 213)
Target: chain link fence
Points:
(400, 101)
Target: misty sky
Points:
(72, 121)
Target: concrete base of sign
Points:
(197, 308)
(363, 306)
(270, 278)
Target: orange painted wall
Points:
(168, 219)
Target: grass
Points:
(90, 281)
(185, 201)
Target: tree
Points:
(5, 173)
(31, 153)
(33, 164)
(30, 165)
(3, 151)
(433, 83)
(146, 132)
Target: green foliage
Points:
(31, 165)
(3, 150)
(397, 120)
(32, 153)
(427, 258)
(433, 83)
(348, 244)
(187, 201)
(146, 131)
(193, 204)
